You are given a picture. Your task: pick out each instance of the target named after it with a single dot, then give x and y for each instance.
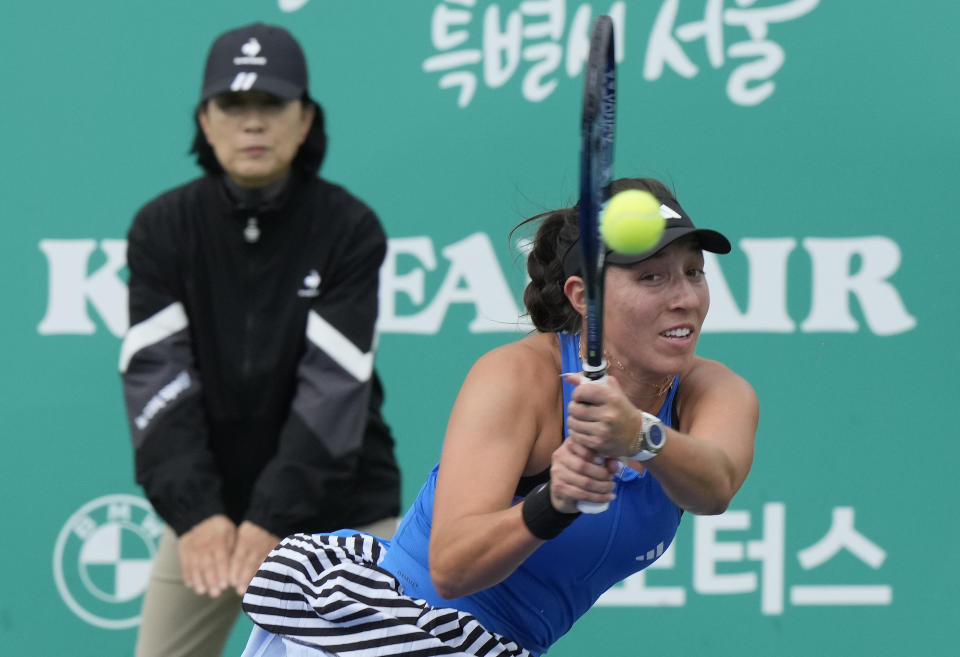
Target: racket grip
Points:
(594, 507)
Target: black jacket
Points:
(248, 368)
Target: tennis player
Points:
(492, 558)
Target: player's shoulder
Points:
(528, 361)
(706, 375)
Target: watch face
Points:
(655, 436)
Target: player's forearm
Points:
(476, 552)
(697, 474)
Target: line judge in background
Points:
(248, 368)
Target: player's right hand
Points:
(601, 418)
(205, 552)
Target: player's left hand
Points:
(252, 547)
(601, 417)
(578, 473)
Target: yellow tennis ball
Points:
(631, 221)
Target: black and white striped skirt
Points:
(325, 594)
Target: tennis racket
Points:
(596, 168)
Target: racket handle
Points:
(594, 507)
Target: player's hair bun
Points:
(547, 305)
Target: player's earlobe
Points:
(575, 292)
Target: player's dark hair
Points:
(308, 158)
(546, 304)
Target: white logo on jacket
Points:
(311, 285)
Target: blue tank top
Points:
(560, 581)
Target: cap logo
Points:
(668, 213)
(251, 48)
(251, 52)
(244, 81)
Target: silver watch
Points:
(652, 437)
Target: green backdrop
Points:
(821, 137)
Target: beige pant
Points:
(176, 622)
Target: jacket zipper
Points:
(252, 235)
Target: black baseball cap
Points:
(255, 57)
(678, 224)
